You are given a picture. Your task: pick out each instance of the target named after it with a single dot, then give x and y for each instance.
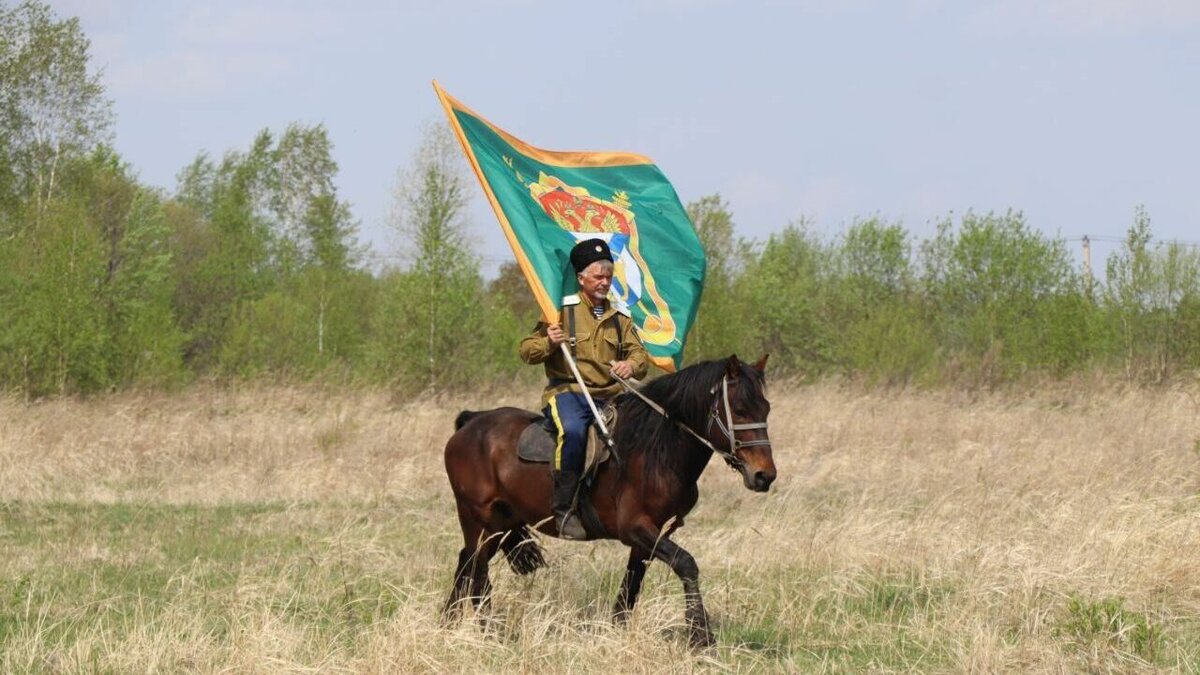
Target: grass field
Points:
(299, 529)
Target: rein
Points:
(713, 416)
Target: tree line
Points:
(251, 267)
(986, 299)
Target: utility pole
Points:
(1087, 263)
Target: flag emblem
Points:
(588, 217)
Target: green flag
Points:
(548, 201)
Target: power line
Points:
(1121, 240)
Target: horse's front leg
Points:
(684, 566)
(631, 584)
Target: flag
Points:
(548, 201)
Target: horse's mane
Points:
(687, 396)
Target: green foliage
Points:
(1153, 301)
(442, 333)
(993, 285)
(266, 335)
(52, 109)
(785, 287)
(253, 234)
(875, 306)
(724, 321)
(895, 600)
(317, 326)
(437, 327)
(136, 290)
(86, 287)
(54, 338)
(1109, 623)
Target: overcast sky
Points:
(1073, 111)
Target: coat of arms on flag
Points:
(548, 201)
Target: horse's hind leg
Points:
(464, 570)
(471, 582)
(481, 584)
(631, 584)
(461, 588)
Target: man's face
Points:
(595, 280)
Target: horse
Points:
(640, 499)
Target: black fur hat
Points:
(589, 251)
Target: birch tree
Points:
(435, 302)
(52, 106)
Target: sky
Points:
(1074, 112)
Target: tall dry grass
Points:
(1052, 531)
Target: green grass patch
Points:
(1108, 623)
(876, 620)
(73, 567)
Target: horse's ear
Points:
(733, 367)
(761, 364)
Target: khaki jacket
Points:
(595, 346)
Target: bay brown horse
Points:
(640, 499)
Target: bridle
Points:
(731, 430)
(726, 426)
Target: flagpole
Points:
(591, 404)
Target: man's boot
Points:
(566, 482)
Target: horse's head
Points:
(739, 415)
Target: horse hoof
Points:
(451, 614)
(701, 639)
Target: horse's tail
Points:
(522, 550)
(463, 417)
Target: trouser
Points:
(571, 417)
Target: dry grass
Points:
(269, 529)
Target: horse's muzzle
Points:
(761, 481)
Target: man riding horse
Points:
(670, 429)
(598, 333)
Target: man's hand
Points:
(556, 335)
(622, 369)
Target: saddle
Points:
(537, 442)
